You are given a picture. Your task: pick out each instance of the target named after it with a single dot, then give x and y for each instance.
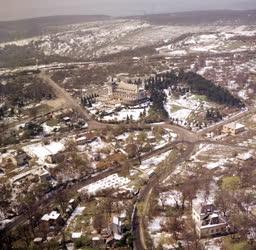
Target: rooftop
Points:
(54, 215)
(235, 125)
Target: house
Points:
(76, 235)
(52, 219)
(233, 128)
(57, 158)
(118, 226)
(208, 220)
(22, 159)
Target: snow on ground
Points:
(151, 163)
(243, 94)
(219, 42)
(19, 43)
(97, 145)
(218, 164)
(206, 197)
(49, 129)
(155, 225)
(212, 244)
(182, 114)
(171, 198)
(42, 151)
(111, 182)
(182, 107)
(124, 113)
(78, 211)
(123, 137)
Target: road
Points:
(144, 196)
(47, 200)
(70, 101)
(233, 118)
(184, 137)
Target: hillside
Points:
(220, 17)
(15, 30)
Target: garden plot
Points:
(214, 156)
(111, 182)
(77, 212)
(152, 163)
(181, 108)
(42, 151)
(171, 198)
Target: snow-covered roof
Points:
(117, 236)
(54, 215)
(115, 220)
(245, 156)
(112, 181)
(235, 125)
(38, 239)
(76, 235)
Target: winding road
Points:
(184, 137)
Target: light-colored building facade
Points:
(126, 93)
(208, 220)
(233, 128)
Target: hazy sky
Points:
(17, 9)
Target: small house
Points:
(118, 226)
(52, 219)
(22, 159)
(233, 128)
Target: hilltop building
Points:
(126, 93)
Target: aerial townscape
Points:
(134, 132)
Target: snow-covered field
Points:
(180, 109)
(171, 198)
(214, 156)
(111, 182)
(133, 114)
(219, 42)
(105, 37)
(42, 151)
(151, 163)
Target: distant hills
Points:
(16, 30)
(221, 17)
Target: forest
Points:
(192, 82)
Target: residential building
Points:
(117, 226)
(208, 220)
(233, 128)
(52, 219)
(22, 158)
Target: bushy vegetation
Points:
(202, 86)
(195, 83)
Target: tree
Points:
(174, 224)
(99, 222)
(5, 196)
(231, 183)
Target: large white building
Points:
(126, 93)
